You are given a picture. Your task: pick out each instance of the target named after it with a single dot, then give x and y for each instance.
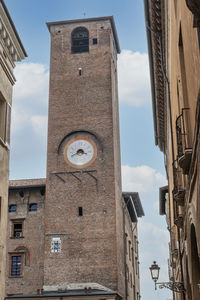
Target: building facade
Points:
(25, 239)
(174, 41)
(11, 50)
(87, 228)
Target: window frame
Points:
(32, 204)
(76, 49)
(17, 221)
(5, 121)
(2, 118)
(9, 207)
(16, 254)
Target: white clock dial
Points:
(80, 152)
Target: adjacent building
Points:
(74, 234)
(11, 51)
(174, 41)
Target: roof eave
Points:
(151, 68)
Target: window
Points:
(33, 207)
(5, 113)
(17, 229)
(136, 266)
(129, 249)
(2, 118)
(80, 40)
(132, 254)
(131, 279)
(12, 208)
(94, 41)
(127, 273)
(80, 211)
(182, 69)
(16, 265)
(8, 119)
(126, 248)
(136, 244)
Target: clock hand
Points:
(74, 154)
(79, 152)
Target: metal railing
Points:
(182, 132)
(178, 178)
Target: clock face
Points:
(80, 152)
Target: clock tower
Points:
(84, 238)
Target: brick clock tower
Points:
(83, 210)
(85, 226)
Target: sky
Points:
(142, 162)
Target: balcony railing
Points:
(179, 189)
(184, 148)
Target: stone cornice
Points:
(7, 42)
(9, 36)
(155, 19)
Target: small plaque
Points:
(56, 245)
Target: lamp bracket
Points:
(174, 286)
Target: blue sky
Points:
(142, 162)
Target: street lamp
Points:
(155, 269)
(174, 286)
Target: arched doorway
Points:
(195, 264)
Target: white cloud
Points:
(153, 246)
(134, 79)
(141, 179)
(32, 81)
(29, 120)
(30, 98)
(39, 124)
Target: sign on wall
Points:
(55, 245)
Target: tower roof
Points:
(88, 20)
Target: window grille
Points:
(80, 40)
(16, 265)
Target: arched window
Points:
(12, 208)
(80, 40)
(33, 207)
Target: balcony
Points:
(184, 148)
(179, 189)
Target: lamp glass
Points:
(154, 271)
